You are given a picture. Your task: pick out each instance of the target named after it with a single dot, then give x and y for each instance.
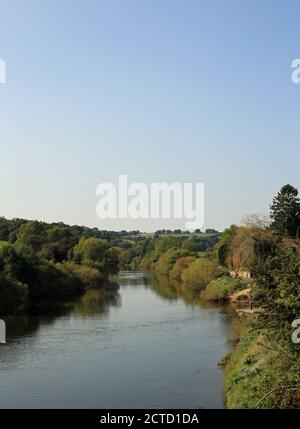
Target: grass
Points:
(3, 243)
(261, 373)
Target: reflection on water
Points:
(93, 302)
(97, 302)
(136, 278)
(151, 343)
(174, 290)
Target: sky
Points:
(160, 90)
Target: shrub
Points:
(96, 253)
(54, 282)
(220, 289)
(190, 245)
(180, 265)
(146, 264)
(199, 273)
(91, 277)
(168, 259)
(162, 245)
(31, 236)
(277, 279)
(12, 294)
(12, 262)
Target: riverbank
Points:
(262, 371)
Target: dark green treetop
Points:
(285, 212)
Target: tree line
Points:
(51, 261)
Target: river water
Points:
(146, 345)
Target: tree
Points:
(190, 245)
(97, 253)
(211, 231)
(161, 245)
(31, 236)
(285, 212)
(199, 273)
(169, 258)
(59, 242)
(180, 265)
(90, 250)
(223, 246)
(54, 282)
(276, 271)
(4, 230)
(240, 254)
(12, 294)
(256, 221)
(15, 264)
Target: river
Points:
(145, 345)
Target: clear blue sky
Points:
(162, 90)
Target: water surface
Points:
(147, 345)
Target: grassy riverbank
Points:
(262, 372)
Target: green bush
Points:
(168, 259)
(180, 265)
(162, 245)
(91, 277)
(198, 275)
(98, 254)
(276, 272)
(146, 264)
(54, 282)
(221, 288)
(12, 294)
(12, 263)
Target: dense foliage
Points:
(285, 212)
(264, 370)
(180, 266)
(41, 261)
(219, 289)
(13, 294)
(199, 273)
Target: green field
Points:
(182, 235)
(192, 234)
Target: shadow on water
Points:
(95, 302)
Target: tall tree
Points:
(285, 212)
